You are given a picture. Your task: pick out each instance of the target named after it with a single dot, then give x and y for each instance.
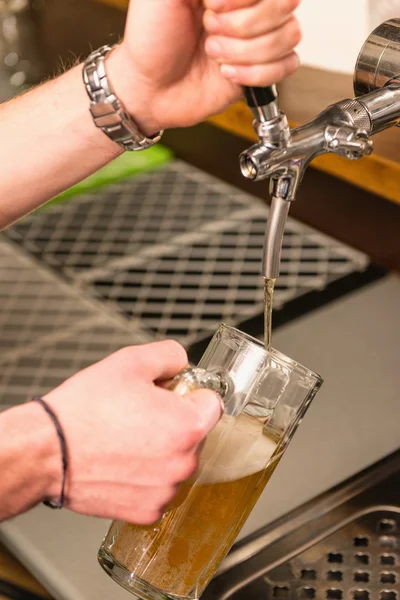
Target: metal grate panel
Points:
(49, 329)
(125, 217)
(34, 303)
(180, 251)
(361, 561)
(167, 254)
(188, 290)
(39, 370)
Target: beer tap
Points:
(273, 131)
(344, 128)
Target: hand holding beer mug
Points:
(265, 396)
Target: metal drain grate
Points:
(187, 291)
(361, 561)
(48, 329)
(125, 217)
(167, 254)
(34, 304)
(180, 251)
(39, 370)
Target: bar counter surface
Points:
(364, 220)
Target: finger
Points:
(141, 505)
(227, 5)
(261, 75)
(250, 22)
(150, 504)
(186, 420)
(171, 469)
(208, 409)
(159, 360)
(267, 48)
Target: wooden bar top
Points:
(13, 572)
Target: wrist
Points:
(132, 91)
(31, 454)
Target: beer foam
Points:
(236, 448)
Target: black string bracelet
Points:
(60, 503)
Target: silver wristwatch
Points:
(107, 111)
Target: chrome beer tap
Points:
(344, 128)
(273, 131)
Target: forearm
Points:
(30, 463)
(49, 142)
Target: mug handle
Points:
(195, 378)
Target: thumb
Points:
(209, 407)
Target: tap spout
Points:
(283, 188)
(274, 237)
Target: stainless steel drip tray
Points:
(345, 544)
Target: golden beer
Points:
(182, 551)
(265, 396)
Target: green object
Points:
(126, 165)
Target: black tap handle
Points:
(260, 96)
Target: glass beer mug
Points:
(265, 396)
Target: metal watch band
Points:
(107, 111)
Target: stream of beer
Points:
(269, 286)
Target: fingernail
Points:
(296, 60)
(229, 72)
(221, 403)
(213, 48)
(212, 408)
(217, 4)
(214, 412)
(292, 63)
(210, 411)
(211, 23)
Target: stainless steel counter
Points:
(354, 421)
